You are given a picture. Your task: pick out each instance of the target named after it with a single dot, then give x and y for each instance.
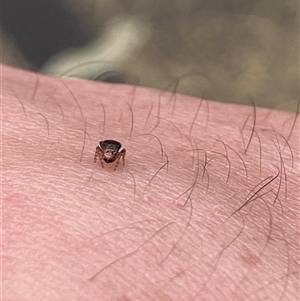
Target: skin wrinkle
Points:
(202, 241)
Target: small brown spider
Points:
(108, 151)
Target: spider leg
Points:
(95, 157)
(121, 154)
(101, 160)
(99, 154)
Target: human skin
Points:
(200, 211)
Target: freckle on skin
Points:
(123, 298)
(250, 259)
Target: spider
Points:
(108, 151)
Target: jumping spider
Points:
(108, 151)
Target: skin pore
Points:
(205, 208)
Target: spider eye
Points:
(110, 151)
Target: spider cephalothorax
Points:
(108, 151)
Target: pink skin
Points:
(75, 231)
